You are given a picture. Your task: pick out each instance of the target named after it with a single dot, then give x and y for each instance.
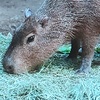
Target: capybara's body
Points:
(39, 36)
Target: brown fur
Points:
(78, 19)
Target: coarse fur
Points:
(53, 23)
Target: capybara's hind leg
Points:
(75, 46)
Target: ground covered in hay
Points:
(56, 80)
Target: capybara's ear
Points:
(44, 21)
(27, 13)
(13, 29)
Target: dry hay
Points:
(55, 81)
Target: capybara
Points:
(39, 36)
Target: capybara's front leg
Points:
(88, 45)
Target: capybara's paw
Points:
(83, 70)
(80, 72)
(70, 58)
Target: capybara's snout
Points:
(7, 65)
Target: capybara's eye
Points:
(30, 39)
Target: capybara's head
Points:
(33, 42)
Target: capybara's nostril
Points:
(9, 69)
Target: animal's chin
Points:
(20, 71)
(29, 69)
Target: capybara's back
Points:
(56, 20)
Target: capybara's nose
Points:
(9, 69)
(8, 64)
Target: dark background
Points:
(11, 12)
